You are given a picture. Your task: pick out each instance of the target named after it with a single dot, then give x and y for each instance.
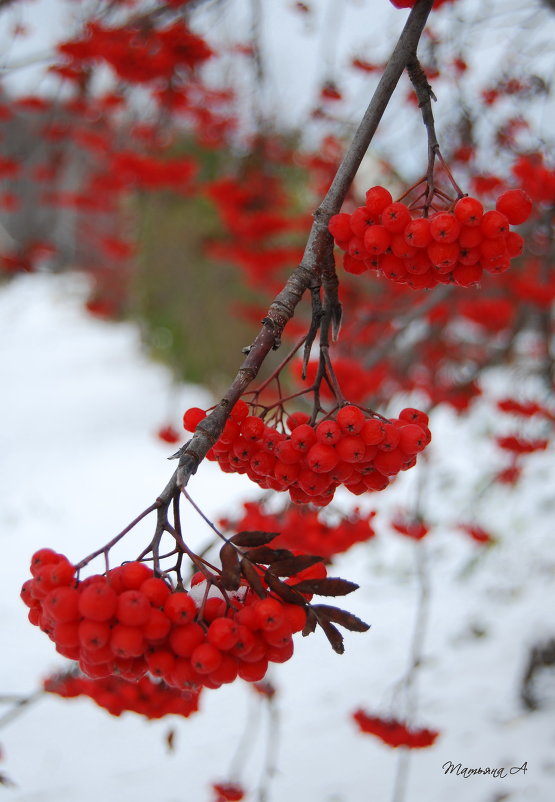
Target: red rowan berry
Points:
(354, 266)
(230, 432)
(184, 640)
(494, 224)
(377, 198)
(133, 608)
(417, 232)
(351, 449)
(213, 608)
(373, 432)
(389, 463)
(412, 415)
(26, 594)
(160, 662)
(303, 437)
(239, 411)
(311, 482)
(223, 633)
(133, 574)
(62, 604)
(245, 642)
(286, 453)
(361, 220)
(350, 419)
(515, 245)
(467, 275)
(156, 590)
(93, 634)
(262, 463)
(180, 608)
(395, 217)
(376, 239)
(390, 439)
(127, 641)
(419, 264)
(443, 254)
(205, 658)
(412, 438)
(444, 227)
(253, 671)
(470, 256)
(392, 267)
(192, 418)
(157, 626)
(43, 557)
(340, 227)
(63, 572)
(322, 458)
(469, 211)
(226, 671)
(516, 205)
(297, 419)
(295, 615)
(252, 427)
(279, 636)
(493, 249)
(67, 634)
(280, 654)
(269, 613)
(328, 432)
(98, 601)
(286, 474)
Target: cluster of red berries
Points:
(147, 697)
(354, 449)
(130, 622)
(303, 529)
(448, 247)
(394, 733)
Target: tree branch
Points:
(318, 251)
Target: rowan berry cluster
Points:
(448, 247)
(394, 733)
(354, 448)
(303, 529)
(130, 622)
(147, 697)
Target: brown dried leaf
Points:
(284, 591)
(253, 539)
(253, 578)
(342, 617)
(266, 555)
(329, 586)
(311, 622)
(231, 573)
(294, 565)
(333, 635)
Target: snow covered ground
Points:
(79, 408)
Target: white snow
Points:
(79, 408)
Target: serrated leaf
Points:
(342, 617)
(253, 578)
(333, 635)
(329, 586)
(231, 573)
(284, 591)
(266, 555)
(294, 565)
(251, 539)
